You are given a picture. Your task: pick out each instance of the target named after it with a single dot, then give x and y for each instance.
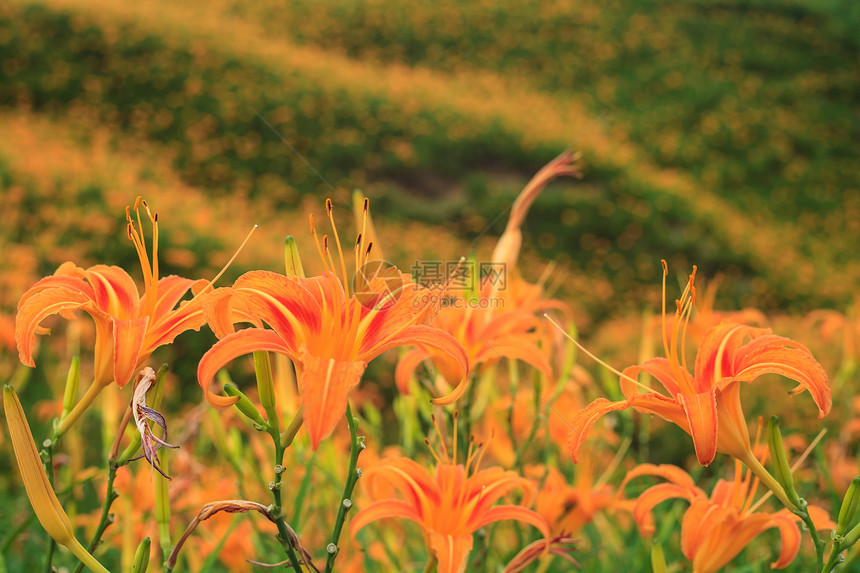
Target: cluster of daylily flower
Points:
(472, 360)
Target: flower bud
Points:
(782, 470)
(849, 507)
(292, 260)
(73, 380)
(266, 387)
(244, 405)
(141, 556)
(41, 494)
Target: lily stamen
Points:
(328, 208)
(209, 285)
(591, 355)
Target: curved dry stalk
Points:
(236, 506)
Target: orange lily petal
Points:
(513, 512)
(128, 336)
(70, 282)
(659, 368)
(717, 353)
(733, 437)
(584, 419)
(669, 409)
(493, 484)
(171, 289)
(188, 316)
(525, 351)
(283, 303)
(38, 307)
(791, 537)
(779, 355)
(406, 366)
(730, 537)
(451, 551)
(231, 347)
(407, 476)
(682, 485)
(324, 385)
(701, 411)
(381, 510)
(115, 291)
(222, 310)
(428, 337)
(699, 520)
(653, 496)
(668, 472)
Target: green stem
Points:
(277, 509)
(833, 560)
(773, 485)
(298, 502)
(287, 437)
(770, 483)
(47, 455)
(355, 446)
(803, 514)
(106, 518)
(48, 567)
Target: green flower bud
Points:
(779, 460)
(266, 387)
(141, 557)
(73, 380)
(292, 260)
(40, 492)
(245, 406)
(849, 507)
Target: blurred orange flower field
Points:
(384, 287)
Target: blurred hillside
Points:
(718, 134)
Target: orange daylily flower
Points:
(327, 332)
(570, 507)
(707, 403)
(487, 333)
(495, 323)
(714, 530)
(129, 327)
(450, 504)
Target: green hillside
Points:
(717, 135)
